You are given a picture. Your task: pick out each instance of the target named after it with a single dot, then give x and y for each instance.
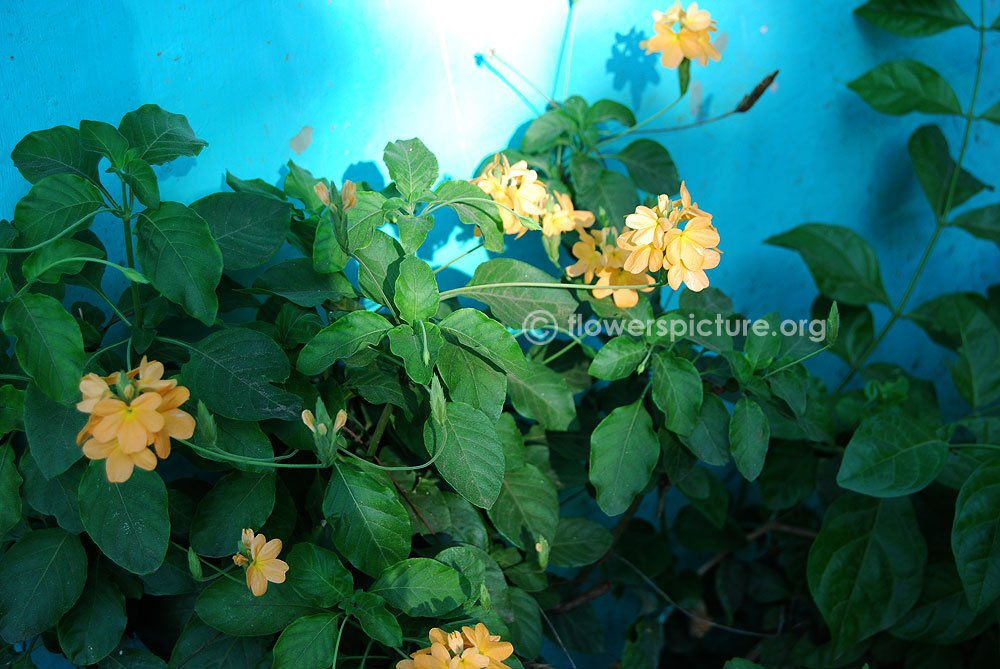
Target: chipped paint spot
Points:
(333, 127)
(763, 30)
(721, 42)
(286, 56)
(301, 141)
(694, 98)
(773, 87)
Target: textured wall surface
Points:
(341, 78)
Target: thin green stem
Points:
(103, 349)
(15, 377)
(455, 260)
(130, 257)
(221, 572)
(686, 126)
(795, 362)
(641, 124)
(492, 55)
(68, 230)
(114, 307)
(340, 633)
(224, 456)
(63, 261)
(383, 422)
(530, 284)
(368, 649)
(991, 447)
(395, 469)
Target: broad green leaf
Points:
(472, 380)
(914, 18)
(650, 166)
(301, 185)
(418, 346)
(230, 607)
(473, 207)
(512, 441)
(240, 438)
(579, 542)
(515, 306)
(58, 497)
(611, 191)
(47, 570)
(891, 455)
(94, 626)
(232, 372)
(412, 167)
(843, 265)
(10, 490)
(643, 651)
(935, 169)
(376, 621)
(370, 526)
(297, 281)
(327, 254)
(36, 267)
(983, 223)
(49, 345)
(142, 182)
(617, 359)
(789, 476)
(158, 135)
(993, 113)
(467, 524)
(318, 575)
(866, 567)
(749, 434)
(543, 395)
(609, 110)
(904, 86)
(258, 186)
(104, 138)
(942, 614)
(139, 658)
(413, 231)
(527, 509)
(763, 344)
(239, 500)
(58, 150)
(356, 228)
(348, 335)
(11, 409)
(54, 204)
(128, 521)
(543, 133)
(416, 294)
(677, 391)
(484, 336)
(178, 254)
(975, 535)
(471, 458)
(202, 646)
(248, 227)
(422, 587)
(623, 451)
(378, 268)
(308, 643)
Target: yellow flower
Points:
(149, 376)
(468, 649)
(694, 246)
(95, 388)
(691, 41)
(624, 298)
(239, 560)
(264, 565)
(695, 19)
(119, 463)
(133, 424)
(514, 187)
(177, 423)
(560, 216)
(489, 645)
(589, 258)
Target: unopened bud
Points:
(309, 420)
(340, 421)
(322, 192)
(348, 195)
(322, 429)
(194, 564)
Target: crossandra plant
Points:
(311, 469)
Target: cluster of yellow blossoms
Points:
(127, 415)
(518, 191)
(596, 257)
(693, 40)
(262, 557)
(468, 649)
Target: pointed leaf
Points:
(159, 135)
(49, 345)
(471, 458)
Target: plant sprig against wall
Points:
(315, 470)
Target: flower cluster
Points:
(693, 40)
(262, 557)
(469, 649)
(519, 193)
(130, 413)
(596, 257)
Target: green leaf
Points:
(378, 268)
(709, 439)
(891, 455)
(309, 642)
(644, 650)
(159, 135)
(684, 75)
(370, 526)
(527, 509)
(789, 476)
(301, 185)
(422, 587)
(104, 138)
(94, 626)
(248, 227)
(650, 166)
(617, 359)
(609, 110)
(57, 150)
(935, 169)
(232, 371)
(942, 614)
(611, 191)
(749, 434)
(866, 567)
(904, 86)
(579, 542)
(239, 500)
(297, 281)
(983, 223)
(178, 254)
(543, 133)
(914, 18)
(318, 575)
(763, 346)
(413, 231)
(376, 621)
(327, 253)
(473, 207)
(514, 306)
(975, 535)
(142, 181)
(54, 204)
(416, 295)
(357, 228)
(202, 646)
(543, 395)
(623, 451)
(418, 346)
(138, 658)
(128, 521)
(993, 113)
(843, 265)
(472, 380)
(48, 570)
(677, 391)
(56, 497)
(239, 438)
(10, 490)
(472, 459)
(230, 607)
(526, 623)
(49, 345)
(348, 335)
(477, 332)
(412, 167)
(258, 186)
(36, 266)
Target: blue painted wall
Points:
(251, 75)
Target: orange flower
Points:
(177, 424)
(134, 424)
(691, 41)
(264, 565)
(560, 216)
(489, 645)
(119, 463)
(624, 298)
(149, 375)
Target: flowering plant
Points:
(288, 443)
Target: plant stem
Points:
(340, 633)
(130, 257)
(67, 230)
(693, 124)
(641, 124)
(14, 377)
(383, 422)
(224, 456)
(528, 284)
(941, 219)
(492, 54)
(455, 260)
